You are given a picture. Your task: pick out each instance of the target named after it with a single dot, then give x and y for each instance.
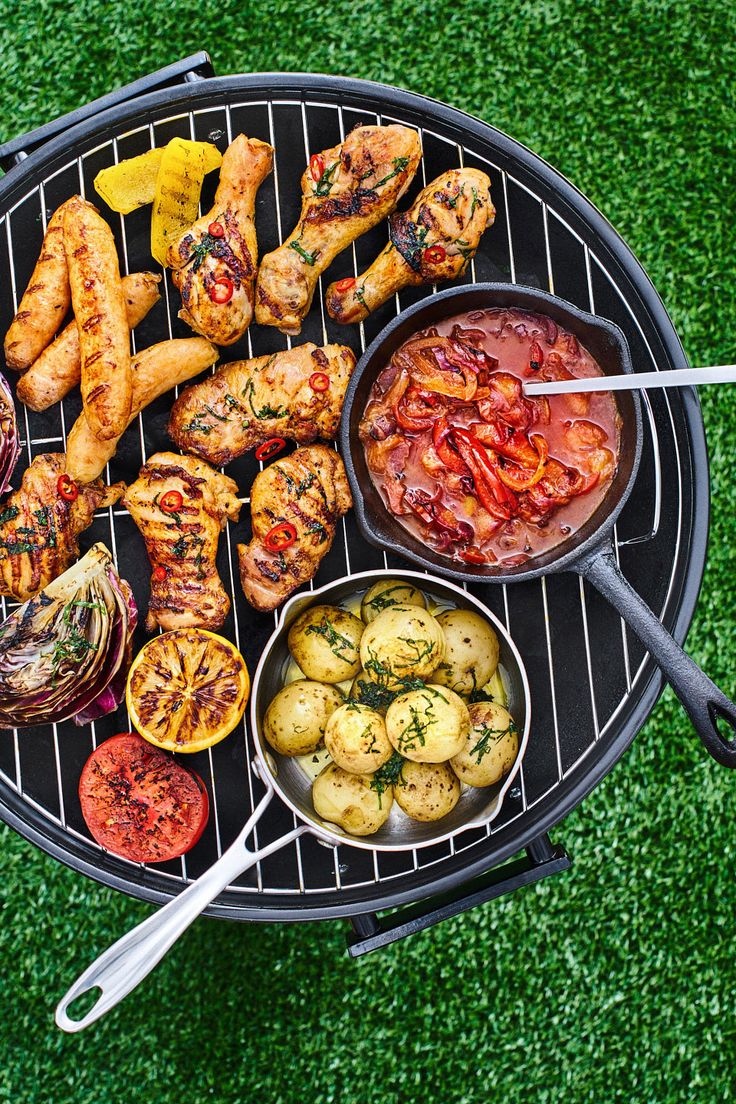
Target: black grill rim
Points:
(218, 91)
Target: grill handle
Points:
(702, 700)
(196, 67)
(371, 931)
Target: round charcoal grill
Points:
(592, 685)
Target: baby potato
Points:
(471, 651)
(490, 747)
(356, 739)
(324, 642)
(427, 791)
(428, 725)
(349, 801)
(387, 593)
(296, 718)
(364, 691)
(402, 642)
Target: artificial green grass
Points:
(615, 982)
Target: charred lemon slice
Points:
(187, 689)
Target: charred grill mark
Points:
(343, 206)
(265, 299)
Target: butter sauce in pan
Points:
(469, 464)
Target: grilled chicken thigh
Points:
(434, 240)
(307, 491)
(180, 506)
(296, 394)
(39, 526)
(214, 263)
(345, 191)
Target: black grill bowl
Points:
(592, 685)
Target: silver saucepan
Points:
(119, 969)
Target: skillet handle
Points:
(121, 967)
(703, 702)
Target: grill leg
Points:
(371, 931)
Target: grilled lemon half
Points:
(187, 689)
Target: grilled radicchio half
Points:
(65, 652)
(9, 444)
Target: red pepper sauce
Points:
(468, 463)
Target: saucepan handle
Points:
(120, 968)
(704, 703)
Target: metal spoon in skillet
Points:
(680, 377)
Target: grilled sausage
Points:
(58, 369)
(45, 300)
(99, 307)
(155, 371)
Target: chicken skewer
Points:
(58, 369)
(214, 263)
(345, 191)
(434, 240)
(295, 503)
(40, 524)
(296, 394)
(181, 505)
(45, 301)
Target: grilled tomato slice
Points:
(140, 803)
(187, 689)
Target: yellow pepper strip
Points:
(132, 183)
(178, 186)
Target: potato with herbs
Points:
(324, 642)
(427, 791)
(296, 719)
(471, 651)
(428, 725)
(356, 739)
(350, 801)
(387, 593)
(490, 748)
(402, 643)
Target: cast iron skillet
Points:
(589, 551)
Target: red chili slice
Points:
(319, 381)
(346, 284)
(536, 356)
(270, 448)
(139, 802)
(216, 230)
(316, 166)
(280, 537)
(171, 502)
(222, 290)
(67, 488)
(159, 574)
(435, 254)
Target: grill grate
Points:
(588, 675)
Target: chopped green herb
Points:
(325, 182)
(399, 164)
(338, 644)
(308, 258)
(266, 411)
(388, 775)
(195, 426)
(488, 737)
(9, 513)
